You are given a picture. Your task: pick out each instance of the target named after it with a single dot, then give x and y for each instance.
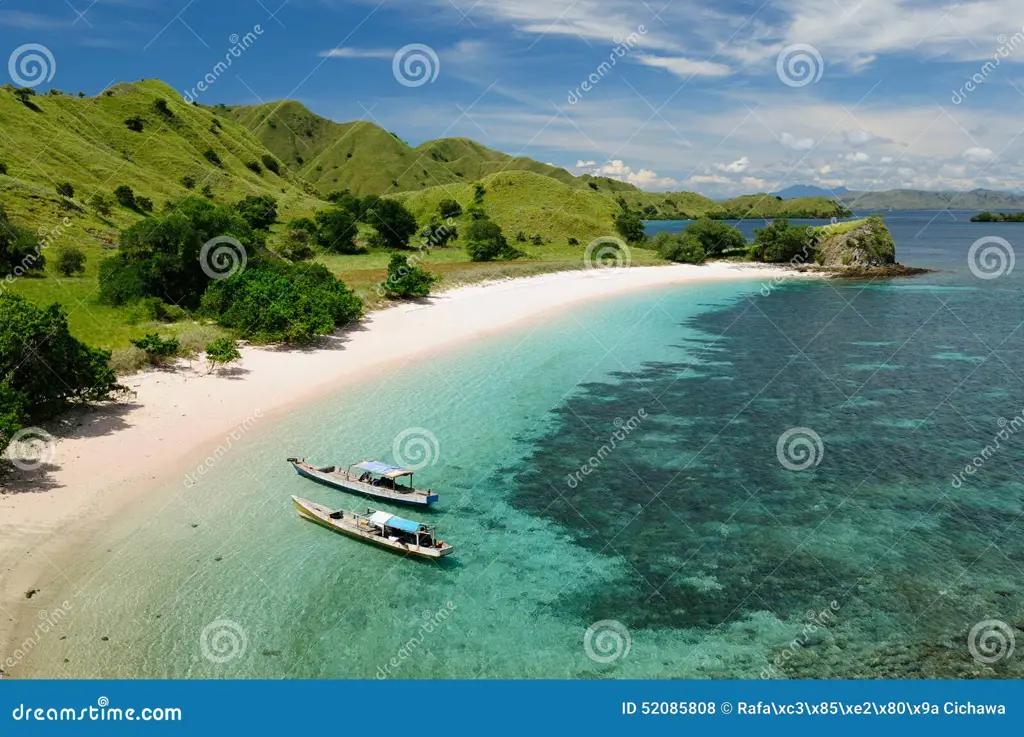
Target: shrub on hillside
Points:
(125, 196)
(278, 301)
(486, 242)
(143, 203)
(254, 166)
(65, 189)
(438, 234)
(449, 209)
(188, 181)
(271, 164)
(207, 191)
(135, 123)
(56, 372)
(161, 106)
(297, 243)
(630, 226)
(259, 211)
(406, 280)
(211, 156)
(20, 252)
(70, 261)
(101, 204)
(3, 168)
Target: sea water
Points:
(751, 479)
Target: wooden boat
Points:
(379, 528)
(371, 478)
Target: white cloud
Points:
(858, 137)
(619, 169)
(796, 144)
(685, 68)
(709, 179)
(856, 157)
(347, 52)
(580, 164)
(737, 167)
(978, 154)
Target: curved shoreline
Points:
(117, 454)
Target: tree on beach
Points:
(406, 280)
(716, 237)
(220, 353)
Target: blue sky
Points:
(701, 96)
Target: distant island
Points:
(998, 217)
(916, 199)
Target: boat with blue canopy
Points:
(378, 527)
(371, 478)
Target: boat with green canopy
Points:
(380, 528)
(371, 478)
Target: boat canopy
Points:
(383, 469)
(390, 520)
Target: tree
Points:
(260, 211)
(406, 280)
(211, 156)
(781, 242)
(188, 181)
(125, 196)
(20, 252)
(168, 257)
(135, 123)
(160, 105)
(70, 261)
(449, 209)
(221, 352)
(486, 242)
(45, 370)
(254, 166)
(143, 203)
(478, 193)
(298, 240)
(630, 226)
(395, 225)
(684, 247)
(278, 301)
(101, 204)
(438, 234)
(65, 189)
(336, 230)
(271, 163)
(716, 236)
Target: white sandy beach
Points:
(117, 454)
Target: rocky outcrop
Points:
(859, 244)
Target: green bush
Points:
(449, 209)
(161, 106)
(144, 203)
(125, 196)
(336, 230)
(486, 242)
(259, 211)
(57, 372)
(297, 243)
(20, 252)
(135, 123)
(630, 226)
(406, 280)
(254, 166)
(394, 224)
(682, 247)
(65, 189)
(271, 164)
(3, 168)
(158, 350)
(211, 156)
(207, 191)
(70, 261)
(101, 204)
(716, 237)
(278, 301)
(536, 239)
(781, 242)
(221, 352)
(188, 181)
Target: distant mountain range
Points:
(910, 199)
(809, 190)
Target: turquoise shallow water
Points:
(631, 467)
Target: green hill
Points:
(758, 206)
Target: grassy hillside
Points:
(770, 206)
(915, 199)
(534, 204)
